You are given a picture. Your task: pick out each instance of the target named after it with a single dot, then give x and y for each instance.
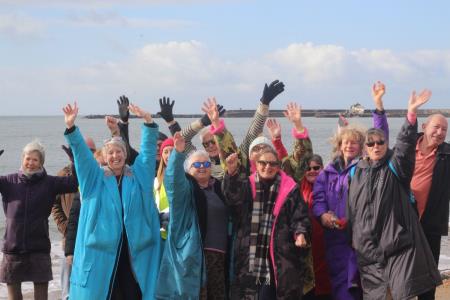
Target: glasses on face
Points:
(315, 168)
(265, 163)
(201, 164)
(379, 143)
(208, 143)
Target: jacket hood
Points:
(337, 165)
(366, 163)
(32, 178)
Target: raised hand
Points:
(68, 152)
(271, 91)
(416, 101)
(378, 91)
(342, 121)
(294, 114)
(124, 113)
(113, 125)
(274, 128)
(232, 163)
(70, 114)
(178, 142)
(140, 113)
(210, 108)
(205, 118)
(300, 241)
(166, 109)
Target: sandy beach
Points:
(443, 291)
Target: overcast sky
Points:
(328, 53)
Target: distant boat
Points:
(355, 110)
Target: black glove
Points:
(205, 119)
(1, 152)
(124, 112)
(166, 109)
(271, 91)
(68, 152)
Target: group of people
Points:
(234, 222)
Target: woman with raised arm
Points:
(117, 250)
(294, 164)
(197, 231)
(28, 197)
(330, 199)
(225, 139)
(393, 254)
(273, 228)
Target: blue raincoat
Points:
(104, 214)
(182, 271)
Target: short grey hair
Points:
(192, 155)
(37, 147)
(114, 141)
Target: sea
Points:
(18, 131)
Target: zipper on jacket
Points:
(25, 219)
(116, 264)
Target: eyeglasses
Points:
(315, 168)
(208, 143)
(379, 143)
(264, 163)
(201, 164)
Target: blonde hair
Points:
(353, 132)
(160, 173)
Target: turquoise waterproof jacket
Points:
(182, 271)
(104, 214)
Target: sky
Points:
(328, 53)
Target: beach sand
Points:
(443, 291)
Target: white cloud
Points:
(20, 26)
(312, 63)
(325, 76)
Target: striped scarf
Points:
(261, 227)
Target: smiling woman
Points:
(113, 242)
(28, 197)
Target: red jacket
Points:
(322, 279)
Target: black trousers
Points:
(434, 241)
(125, 286)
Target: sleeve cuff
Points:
(219, 129)
(151, 125)
(70, 130)
(412, 118)
(300, 135)
(379, 112)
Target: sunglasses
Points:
(264, 163)
(208, 143)
(315, 168)
(201, 164)
(379, 143)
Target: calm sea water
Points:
(18, 131)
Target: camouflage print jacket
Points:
(291, 219)
(226, 142)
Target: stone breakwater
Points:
(318, 113)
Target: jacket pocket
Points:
(395, 239)
(80, 274)
(183, 240)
